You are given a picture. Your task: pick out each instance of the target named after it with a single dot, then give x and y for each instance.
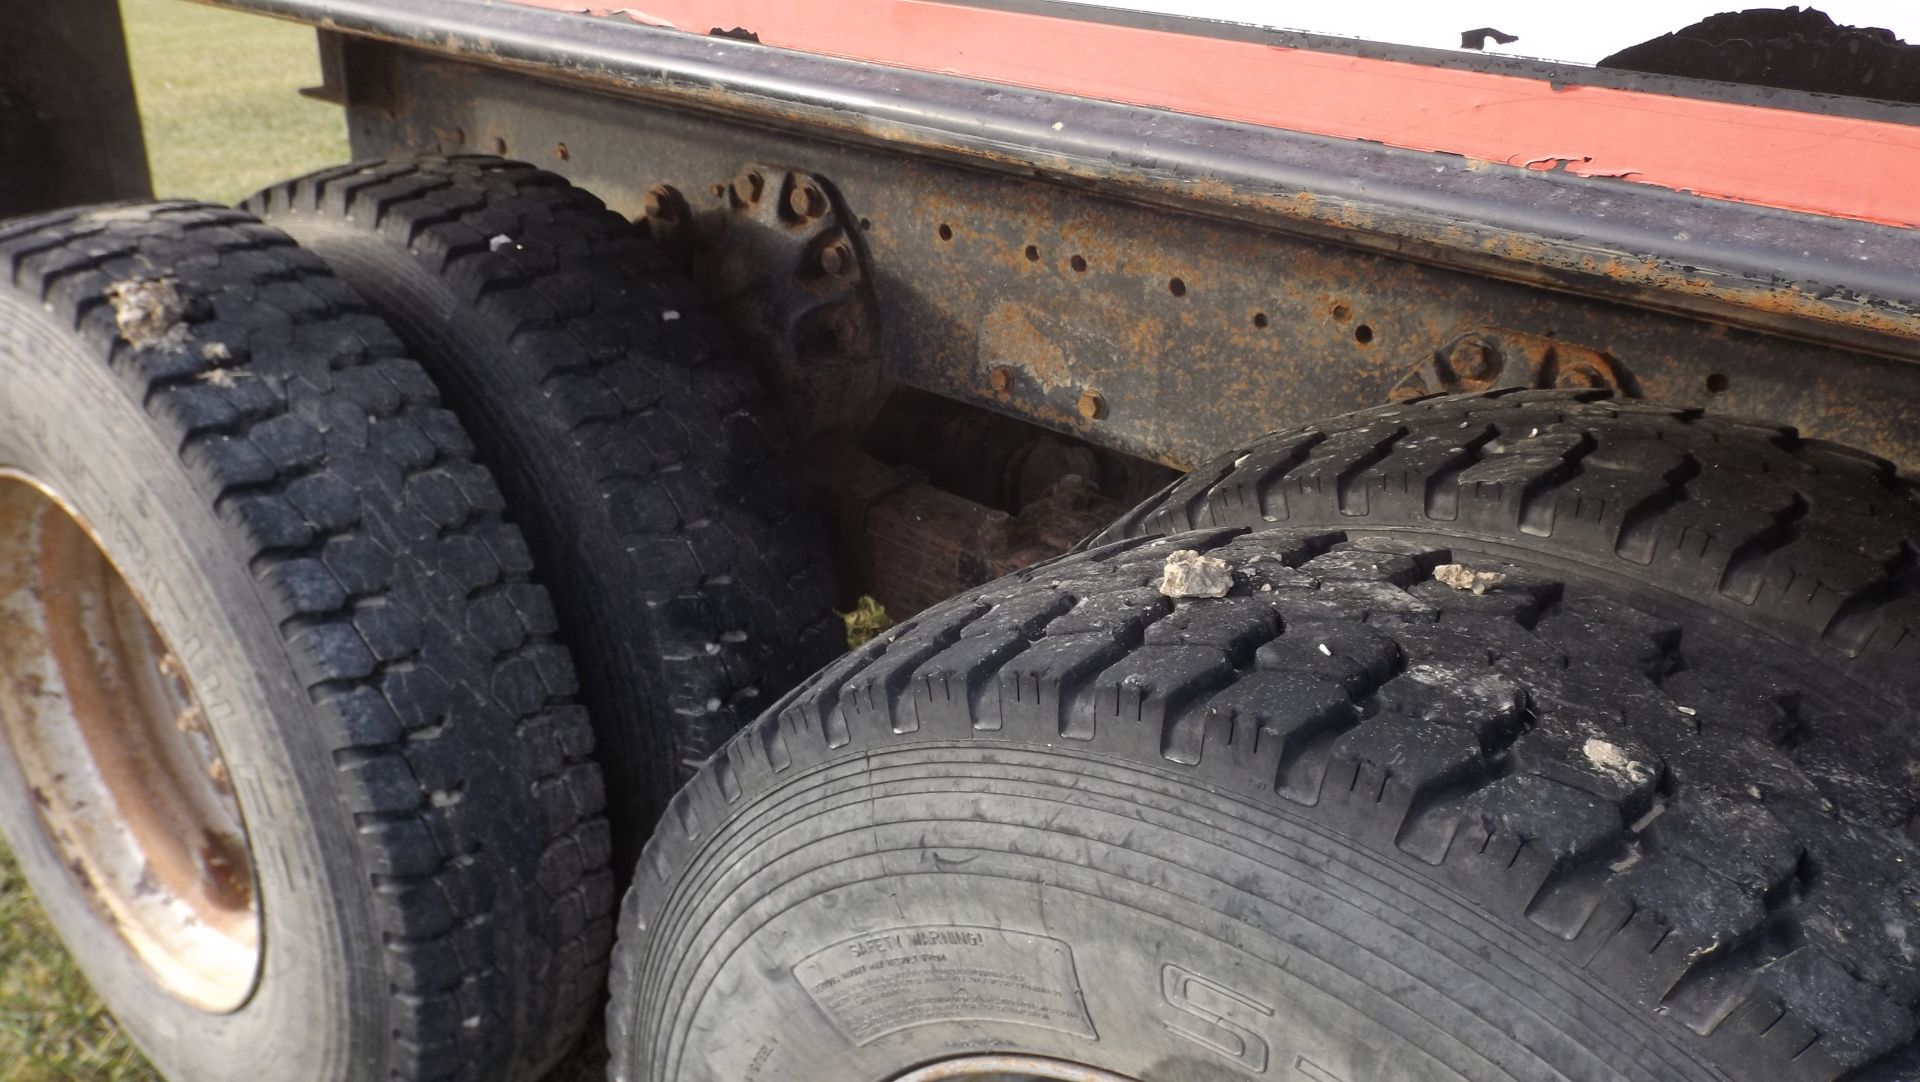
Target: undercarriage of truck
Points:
(1367, 563)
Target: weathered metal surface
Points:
(937, 497)
(910, 544)
(1495, 358)
(782, 256)
(332, 87)
(1162, 334)
(69, 130)
(1713, 148)
(1817, 278)
(997, 460)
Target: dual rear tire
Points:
(644, 462)
(295, 754)
(1527, 736)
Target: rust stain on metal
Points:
(1011, 342)
(1484, 359)
(225, 870)
(1295, 305)
(783, 258)
(1519, 258)
(910, 544)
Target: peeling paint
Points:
(1717, 149)
(1579, 165)
(640, 17)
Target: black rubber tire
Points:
(691, 582)
(1345, 823)
(1790, 50)
(279, 483)
(1812, 542)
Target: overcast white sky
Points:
(1578, 31)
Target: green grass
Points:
(222, 120)
(218, 102)
(51, 1028)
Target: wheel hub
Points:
(128, 784)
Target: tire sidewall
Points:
(318, 1008)
(1204, 937)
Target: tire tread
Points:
(373, 537)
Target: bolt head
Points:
(1583, 377)
(807, 201)
(661, 203)
(1472, 359)
(1092, 406)
(1001, 378)
(748, 187)
(836, 259)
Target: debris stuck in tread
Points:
(1462, 577)
(1189, 574)
(867, 621)
(149, 312)
(1610, 759)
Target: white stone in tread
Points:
(1187, 574)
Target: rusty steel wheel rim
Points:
(1009, 1069)
(127, 783)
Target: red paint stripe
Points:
(1838, 166)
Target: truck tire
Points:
(289, 751)
(691, 582)
(1811, 542)
(1343, 822)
